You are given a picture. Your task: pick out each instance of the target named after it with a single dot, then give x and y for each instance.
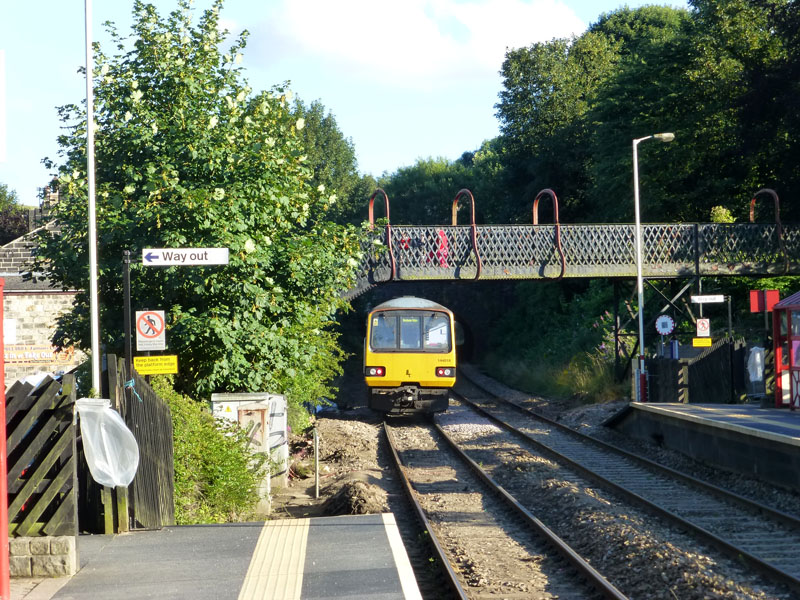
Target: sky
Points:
(404, 79)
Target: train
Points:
(409, 356)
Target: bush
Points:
(216, 476)
(558, 341)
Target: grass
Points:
(587, 377)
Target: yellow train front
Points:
(409, 356)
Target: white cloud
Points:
(230, 25)
(408, 42)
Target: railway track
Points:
(764, 539)
(495, 546)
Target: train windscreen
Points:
(417, 331)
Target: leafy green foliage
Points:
(216, 476)
(13, 217)
(332, 159)
(558, 341)
(543, 114)
(188, 155)
(423, 193)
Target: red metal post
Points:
(5, 584)
(777, 350)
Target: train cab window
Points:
(384, 332)
(437, 332)
(410, 338)
(410, 331)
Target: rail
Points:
(588, 573)
(447, 569)
(753, 557)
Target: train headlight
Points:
(445, 372)
(375, 371)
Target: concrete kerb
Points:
(36, 588)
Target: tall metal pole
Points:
(641, 371)
(641, 389)
(93, 304)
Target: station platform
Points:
(353, 557)
(744, 438)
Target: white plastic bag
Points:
(755, 364)
(111, 450)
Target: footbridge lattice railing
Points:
(464, 252)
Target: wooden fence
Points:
(148, 502)
(151, 495)
(714, 376)
(41, 458)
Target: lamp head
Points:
(664, 137)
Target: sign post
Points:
(126, 310)
(151, 324)
(664, 326)
(714, 299)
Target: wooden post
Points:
(122, 509)
(108, 510)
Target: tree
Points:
(189, 156)
(548, 89)
(745, 67)
(13, 217)
(646, 93)
(332, 160)
(422, 193)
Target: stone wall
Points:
(43, 556)
(30, 320)
(16, 255)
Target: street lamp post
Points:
(641, 388)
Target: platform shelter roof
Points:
(792, 301)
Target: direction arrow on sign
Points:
(163, 257)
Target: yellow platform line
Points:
(276, 568)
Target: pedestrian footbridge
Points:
(557, 250)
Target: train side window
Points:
(437, 332)
(384, 333)
(410, 333)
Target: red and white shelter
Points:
(786, 335)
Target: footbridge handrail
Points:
(393, 272)
(774, 196)
(549, 251)
(473, 228)
(554, 198)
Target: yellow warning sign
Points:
(163, 364)
(701, 342)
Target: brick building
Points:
(31, 307)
